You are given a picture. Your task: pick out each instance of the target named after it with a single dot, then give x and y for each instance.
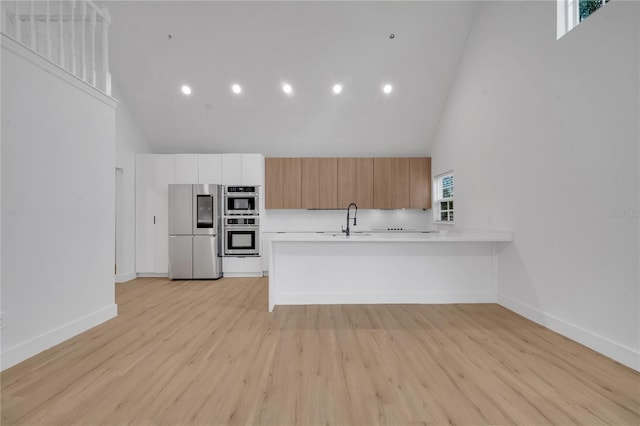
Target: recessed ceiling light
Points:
(186, 90)
(286, 88)
(387, 89)
(337, 88)
(236, 89)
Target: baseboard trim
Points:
(613, 350)
(123, 278)
(152, 275)
(241, 274)
(382, 298)
(35, 345)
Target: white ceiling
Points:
(311, 45)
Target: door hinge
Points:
(154, 220)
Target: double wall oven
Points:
(241, 221)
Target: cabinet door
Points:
(420, 183)
(319, 183)
(232, 169)
(291, 185)
(346, 181)
(145, 207)
(186, 168)
(164, 175)
(274, 183)
(266, 250)
(250, 266)
(252, 169)
(355, 182)
(210, 168)
(391, 183)
(364, 183)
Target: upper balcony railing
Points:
(74, 34)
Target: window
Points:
(572, 12)
(443, 191)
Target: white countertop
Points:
(465, 236)
(383, 267)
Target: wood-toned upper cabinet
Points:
(274, 183)
(391, 184)
(319, 183)
(282, 183)
(328, 183)
(291, 188)
(420, 183)
(355, 182)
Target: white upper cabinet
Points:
(225, 169)
(210, 168)
(232, 169)
(186, 168)
(164, 171)
(252, 169)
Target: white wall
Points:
(57, 205)
(1, 346)
(543, 138)
(333, 220)
(129, 142)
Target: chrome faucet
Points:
(354, 218)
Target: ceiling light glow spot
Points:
(387, 89)
(236, 89)
(337, 89)
(186, 90)
(286, 88)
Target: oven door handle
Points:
(241, 228)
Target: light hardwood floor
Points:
(209, 353)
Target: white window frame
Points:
(438, 198)
(569, 15)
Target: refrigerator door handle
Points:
(154, 220)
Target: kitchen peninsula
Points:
(332, 268)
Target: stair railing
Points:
(73, 34)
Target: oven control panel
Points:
(241, 189)
(241, 221)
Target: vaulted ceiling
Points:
(156, 47)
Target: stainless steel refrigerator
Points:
(194, 232)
